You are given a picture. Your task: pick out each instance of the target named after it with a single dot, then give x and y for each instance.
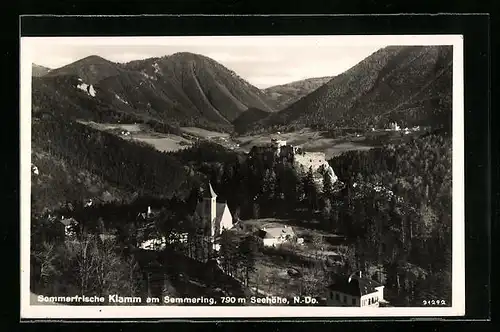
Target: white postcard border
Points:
(28, 311)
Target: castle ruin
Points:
(316, 161)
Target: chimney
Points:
(149, 210)
(360, 274)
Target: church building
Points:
(215, 214)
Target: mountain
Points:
(183, 89)
(247, 118)
(201, 87)
(38, 71)
(74, 162)
(287, 94)
(91, 69)
(410, 85)
(70, 97)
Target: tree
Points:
(256, 210)
(249, 249)
(193, 198)
(198, 231)
(327, 184)
(228, 253)
(43, 258)
(134, 276)
(327, 211)
(86, 262)
(318, 243)
(108, 267)
(310, 189)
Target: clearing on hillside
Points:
(309, 140)
(203, 133)
(140, 132)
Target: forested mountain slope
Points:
(38, 71)
(78, 162)
(183, 89)
(410, 85)
(287, 94)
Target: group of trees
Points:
(260, 184)
(396, 207)
(238, 255)
(132, 167)
(89, 266)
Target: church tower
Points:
(210, 204)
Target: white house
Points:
(355, 291)
(273, 236)
(154, 244)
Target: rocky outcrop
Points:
(316, 161)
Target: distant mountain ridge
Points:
(183, 89)
(252, 115)
(410, 85)
(38, 71)
(287, 94)
(91, 69)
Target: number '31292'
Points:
(434, 302)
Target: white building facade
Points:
(355, 291)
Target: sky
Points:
(262, 61)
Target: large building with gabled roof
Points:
(355, 291)
(213, 213)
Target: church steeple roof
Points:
(210, 193)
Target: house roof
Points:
(276, 232)
(219, 210)
(355, 286)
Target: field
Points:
(203, 133)
(290, 270)
(132, 128)
(162, 142)
(307, 139)
(301, 229)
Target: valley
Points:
(316, 178)
(143, 133)
(307, 139)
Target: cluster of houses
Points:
(219, 218)
(394, 126)
(352, 291)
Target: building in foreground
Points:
(214, 213)
(355, 291)
(273, 236)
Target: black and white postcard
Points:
(242, 176)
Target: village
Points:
(290, 256)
